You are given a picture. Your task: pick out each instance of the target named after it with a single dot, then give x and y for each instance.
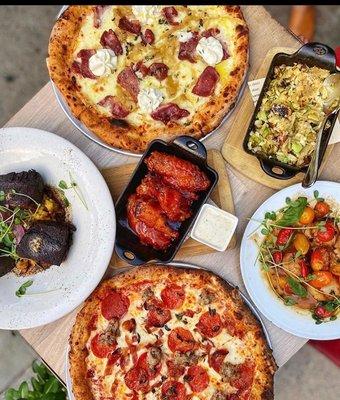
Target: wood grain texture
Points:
(232, 149)
(43, 112)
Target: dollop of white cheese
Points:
(145, 14)
(210, 49)
(184, 36)
(103, 62)
(149, 99)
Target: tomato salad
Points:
(300, 255)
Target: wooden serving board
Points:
(118, 177)
(232, 149)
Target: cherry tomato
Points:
(319, 259)
(307, 216)
(283, 236)
(301, 243)
(321, 312)
(335, 269)
(277, 257)
(304, 268)
(322, 278)
(321, 209)
(327, 234)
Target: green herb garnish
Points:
(22, 289)
(293, 211)
(289, 301)
(73, 185)
(296, 287)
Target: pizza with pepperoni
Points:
(132, 74)
(166, 333)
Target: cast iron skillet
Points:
(128, 246)
(311, 54)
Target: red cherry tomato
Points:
(319, 259)
(277, 256)
(283, 236)
(327, 233)
(321, 312)
(321, 209)
(304, 268)
(287, 289)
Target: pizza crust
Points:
(118, 133)
(265, 364)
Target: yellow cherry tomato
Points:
(301, 243)
(322, 278)
(307, 216)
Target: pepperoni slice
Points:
(159, 71)
(206, 83)
(210, 324)
(216, 359)
(148, 37)
(244, 377)
(132, 26)
(99, 348)
(114, 357)
(110, 40)
(170, 14)
(158, 316)
(150, 362)
(115, 305)
(187, 49)
(117, 110)
(198, 378)
(137, 379)
(175, 370)
(169, 112)
(129, 81)
(181, 340)
(173, 296)
(172, 390)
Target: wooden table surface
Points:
(50, 341)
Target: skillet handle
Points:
(275, 171)
(192, 145)
(318, 51)
(128, 256)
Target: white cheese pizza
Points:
(160, 332)
(132, 74)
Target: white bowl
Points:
(285, 317)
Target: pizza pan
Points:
(177, 264)
(90, 135)
(311, 54)
(128, 246)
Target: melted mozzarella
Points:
(149, 99)
(103, 62)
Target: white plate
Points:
(177, 264)
(286, 318)
(54, 157)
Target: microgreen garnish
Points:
(22, 289)
(72, 185)
(316, 196)
(289, 301)
(2, 195)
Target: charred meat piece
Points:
(20, 188)
(46, 243)
(147, 235)
(178, 173)
(6, 265)
(281, 110)
(175, 205)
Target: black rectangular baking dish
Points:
(311, 54)
(128, 247)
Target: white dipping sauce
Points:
(214, 227)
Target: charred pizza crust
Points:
(261, 353)
(118, 132)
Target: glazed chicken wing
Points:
(181, 174)
(173, 203)
(148, 235)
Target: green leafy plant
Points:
(293, 211)
(73, 185)
(44, 386)
(22, 289)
